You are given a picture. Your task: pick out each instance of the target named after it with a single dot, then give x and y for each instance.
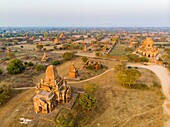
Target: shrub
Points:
(84, 59)
(68, 56)
(90, 67)
(30, 64)
(56, 63)
(90, 88)
(143, 59)
(87, 101)
(66, 120)
(15, 67)
(5, 92)
(39, 67)
(128, 49)
(132, 57)
(97, 53)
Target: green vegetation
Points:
(127, 76)
(39, 47)
(56, 63)
(30, 64)
(84, 59)
(119, 50)
(15, 67)
(11, 55)
(87, 101)
(68, 56)
(136, 58)
(5, 92)
(39, 67)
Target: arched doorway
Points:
(39, 108)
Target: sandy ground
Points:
(164, 77)
(118, 106)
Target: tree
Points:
(39, 47)
(84, 59)
(30, 64)
(56, 63)
(15, 67)
(45, 34)
(87, 101)
(11, 55)
(39, 67)
(128, 76)
(68, 56)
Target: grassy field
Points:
(119, 50)
(117, 106)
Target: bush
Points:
(132, 57)
(30, 64)
(143, 59)
(87, 101)
(68, 56)
(66, 120)
(56, 63)
(15, 67)
(39, 67)
(90, 67)
(97, 53)
(84, 59)
(5, 92)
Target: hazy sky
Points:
(84, 12)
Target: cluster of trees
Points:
(68, 56)
(126, 76)
(136, 58)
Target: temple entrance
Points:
(39, 109)
(149, 55)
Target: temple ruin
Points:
(93, 64)
(51, 90)
(147, 48)
(73, 72)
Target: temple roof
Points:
(51, 73)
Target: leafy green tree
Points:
(128, 76)
(39, 67)
(68, 56)
(15, 67)
(84, 59)
(87, 101)
(56, 63)
(30, 64)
